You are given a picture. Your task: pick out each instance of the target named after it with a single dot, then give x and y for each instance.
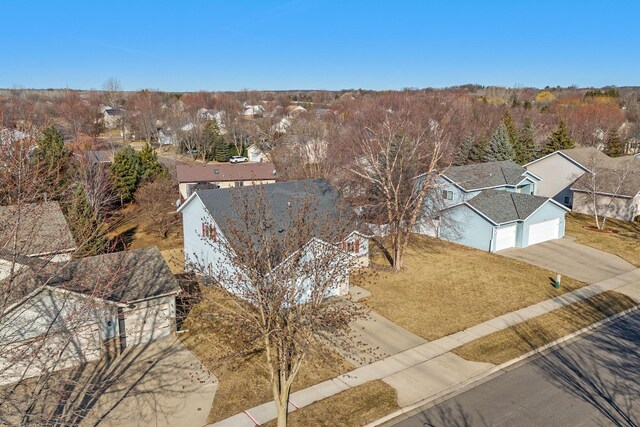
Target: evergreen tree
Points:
(149, 165)
(223, 152)
(464, 151)
(479, 151)
(213, 140)
(559, 140)
(52, 158)
(86, 225)
(613, 145)
(125, 171)
(527, 143)
(499, 146)
(514, 139)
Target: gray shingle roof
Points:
(621, 177)
(280, 198)
(486, 175)
(504, 206)
(586, 156)
(119, 276)
(39, 228)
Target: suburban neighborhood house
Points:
(196, 177)
(560, 169)
(206, 219)
(613, 191)
(255, 154)
(35, 230)
(83, 309)
(579, 177)
(492, 206)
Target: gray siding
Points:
(557, 174)
(619, 208)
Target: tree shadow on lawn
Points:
(123, 240)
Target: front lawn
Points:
(522, 338)
(620, 238)
(445, 288)
(244, 379)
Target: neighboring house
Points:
(60, 317)
(253, 110)
(491, 206)
(295, 110)
(206, 222)
(282, 126)
(561, 169)
(36, 230)
(612, 191)
(198, 176)
(112, 117)
(8, 136)
(255, 154)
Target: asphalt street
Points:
(592, 381)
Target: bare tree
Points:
(605, 189)
(278, 268)
(145, 111)
(158, 209)
(398, 162)
(112, 92)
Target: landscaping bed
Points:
(522, 338)
(445, 288)
(623, 238)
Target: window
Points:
(238, 184)
(352, 246)
(567, 200)
(209, 232)
(447, 195)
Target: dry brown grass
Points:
(520, 339)
(130, 227)
(624, 241)
(244, 380)
(445, 288)
(354, 407)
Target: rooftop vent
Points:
(216, 171)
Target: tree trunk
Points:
(282, 405)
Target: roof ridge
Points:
(515, 205)
(503, 174)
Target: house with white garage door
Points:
(62, 315)
(492, 206)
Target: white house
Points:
(255, 154)
(206, 221)
(62, 316)
(253, 110)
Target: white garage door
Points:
(543, 231)
(506, 237)
(147, 324)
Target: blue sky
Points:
(233, 45)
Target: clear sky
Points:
(185, 45)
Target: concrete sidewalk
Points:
(429, 369)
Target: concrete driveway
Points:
(159, 384)
(569, 258)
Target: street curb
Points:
(458, 387)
